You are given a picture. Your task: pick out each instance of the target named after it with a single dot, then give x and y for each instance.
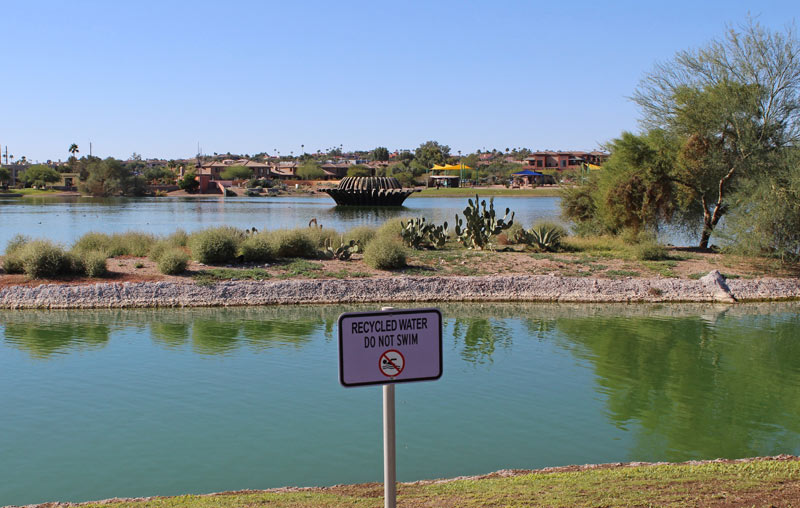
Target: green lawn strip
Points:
(662, 485)
(35, 192)
(487, 192)
(300, 268)
(213, 275)
(344, 274)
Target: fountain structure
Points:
(369, 191)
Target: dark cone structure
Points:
(369, 191)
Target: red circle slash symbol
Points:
(391, 363)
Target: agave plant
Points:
(545, 236)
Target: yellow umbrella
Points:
(449, 167)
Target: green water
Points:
(99, 404)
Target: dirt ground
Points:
(681, 263)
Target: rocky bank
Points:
(532, 288)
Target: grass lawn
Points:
(35, 192)
(767, 482)
(488, 192)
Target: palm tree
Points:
(73, 149)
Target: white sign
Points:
(391, 346)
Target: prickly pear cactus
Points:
(419, 234)
(480, 224)
(343, 252)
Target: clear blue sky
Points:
(158, 77)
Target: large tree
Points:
(733, 104)
(40, 175)
(310, 170)
(237, 173)
(5, 176)
(430, 153)
(109, 177)
(380, 153)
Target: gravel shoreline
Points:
(511, 288)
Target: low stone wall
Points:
(712, 288)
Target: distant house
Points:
(215, 168)
(564, 160)
(284, 170)
(335, 169)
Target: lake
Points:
(106, 403)
(65, 219)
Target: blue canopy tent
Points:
(529, 176)
(527, 172)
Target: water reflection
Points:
(728, 387)
(43, 341)
(480, 337)
(527, 385)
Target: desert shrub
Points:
(362, 235)
(321, 237)
(12, 263)
(216, 245)
(131, 243)
(385, 254)
(41, 259)
(93, 241)
(258, 248)
(294, 243)
(16, 242)
(650, 251)
(392, 227)
(158, 248)
(92, 263)
(178, 239)
(173, 261)
(513, 235)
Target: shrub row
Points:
(383, 248)
(40, 259)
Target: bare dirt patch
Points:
(681, 263)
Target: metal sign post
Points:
(389, 449)
(388, 347)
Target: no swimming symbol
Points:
(391, 363)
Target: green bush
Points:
(392, 227)
(385, 254)
(216, 245)
(323, 236)
(131, 243)
(16, 242)
(173, 261)
(258, 248)
(158, 248)
(515, 234)
(93, 241)
(178, 239)
(12, 263)
(42, 259)
(294, 243)
(650, 251)
(362, 235)
(92, 263)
